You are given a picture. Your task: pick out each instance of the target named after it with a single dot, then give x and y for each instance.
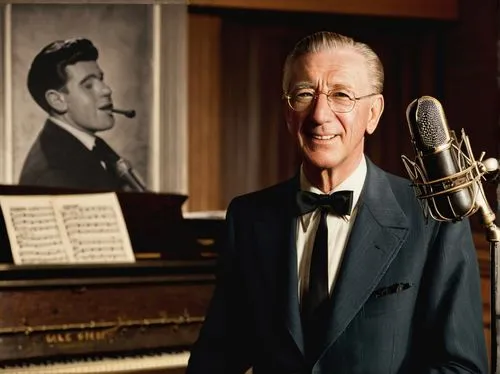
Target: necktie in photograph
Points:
(105, 154)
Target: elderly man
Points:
(336, 270)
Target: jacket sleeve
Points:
(221, 346)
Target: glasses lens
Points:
(340, 102)
(300, 101)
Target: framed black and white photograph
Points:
(126, 62)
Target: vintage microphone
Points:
(120, 166)
(126, 172)
(447, 181)
(445, 175)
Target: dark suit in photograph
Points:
(407, 298)
(58, 159)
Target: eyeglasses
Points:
(338, 101)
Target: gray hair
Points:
(325, 40)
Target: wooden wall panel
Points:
(470, 93)
(442, 9)
(238, 118)
(410, 65)
(253, 115)
(204, 124)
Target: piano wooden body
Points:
(112, 318)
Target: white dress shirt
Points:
(338, 229)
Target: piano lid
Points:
(26, 276)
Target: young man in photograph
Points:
(66, 81)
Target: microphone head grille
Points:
(431, 123)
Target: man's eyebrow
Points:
(303, 84)
(331, 87)
(91, 76)
(341, 86)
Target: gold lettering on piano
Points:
(89, 335)
(60, 338)
(80, 336)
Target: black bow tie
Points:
(339, 203)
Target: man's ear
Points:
(375, 113)
(56, 100)
(288, 117)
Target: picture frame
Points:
(143, 54)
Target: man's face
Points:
(87, 98)
(330, 140)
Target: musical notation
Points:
(82, 228)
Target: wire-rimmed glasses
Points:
(338, 101)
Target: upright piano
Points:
(140, 317)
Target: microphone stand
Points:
(492, 233)
(493, 237)
(494, 310)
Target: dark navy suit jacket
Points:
(407, 298)
(58, 159)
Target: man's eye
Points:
(304, 95)
(339, 95)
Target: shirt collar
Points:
(87, 139)
(353, 182)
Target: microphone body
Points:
(118, 165)
(125, 171)
(441, 173)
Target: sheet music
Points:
(61, 229)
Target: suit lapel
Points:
(378, 233)
(291, 304)
(275, 233)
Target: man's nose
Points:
(106, 90)
(321, 111)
